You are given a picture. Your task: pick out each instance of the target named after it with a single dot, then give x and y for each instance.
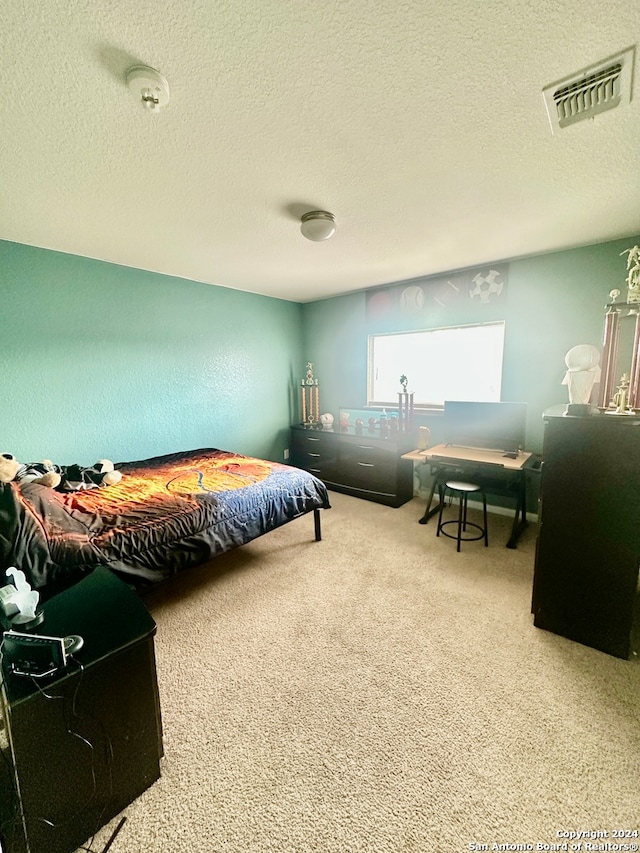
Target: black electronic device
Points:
(495, 426)
(37, 655)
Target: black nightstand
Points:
(86, 741)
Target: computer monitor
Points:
(497, 426)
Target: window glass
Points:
(454, 363)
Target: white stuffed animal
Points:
(43, 472)
(24, 598)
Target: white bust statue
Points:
(583, 371)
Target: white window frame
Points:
(448, 363)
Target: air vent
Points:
(595, 89)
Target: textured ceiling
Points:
(419, 124)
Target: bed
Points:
(166, 514)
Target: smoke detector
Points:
(600, 87)
(148, 87)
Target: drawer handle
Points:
(315, 455)
(366, 464)
(313, 470)
(365, 447)
(309, 438)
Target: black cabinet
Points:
(84, 743)
(588, 549)
(364, 463)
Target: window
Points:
(455, 363)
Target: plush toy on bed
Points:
(76, 478)
(39, 472)
(66, 478)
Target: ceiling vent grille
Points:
(595, 89)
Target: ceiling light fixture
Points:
(318, 225)
(148, 87)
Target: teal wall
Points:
(553, 302)
(99, 360)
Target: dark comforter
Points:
(167, 513)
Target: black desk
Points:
(491, 469)
(87, 741)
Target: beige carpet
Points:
(377, 691)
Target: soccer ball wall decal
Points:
(486, 286)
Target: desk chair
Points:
(461, 491)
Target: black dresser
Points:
(85, 742)
(364, 463)
(588, 550)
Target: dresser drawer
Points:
(369, 476)
(367, 453)
(368, 465)
(314, 452)
(313, 440)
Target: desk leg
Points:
(428, 513)
(519, 524)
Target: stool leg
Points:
(461, 515)
(486, 526)
(442, 491)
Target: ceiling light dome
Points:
(318, 225)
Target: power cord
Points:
(93, 771)
(13, 821)
(110, 841)
(71, 732)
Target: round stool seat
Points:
(460, 486)
(462, 490)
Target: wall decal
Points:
(480, 286)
